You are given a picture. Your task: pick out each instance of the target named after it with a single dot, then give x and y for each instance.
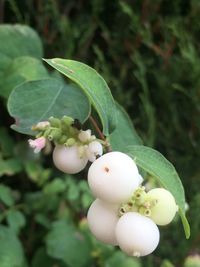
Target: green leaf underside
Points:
(36, 101)
(159, 167)
(93, 86)
(21, 69)
(125, 133)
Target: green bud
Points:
(47, 132)
(55, 134)
(55, 122)
(70, 142)
(68, 121)
(139, 196)
(62, 139)
(145, 211)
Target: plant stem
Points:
(100, 134)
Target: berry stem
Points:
(100, 134)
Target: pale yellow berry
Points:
(165, 208)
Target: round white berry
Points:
(102, 219)
(68, 160)
(136, 234)
(94, 149)
(113, 177)
(165, 207)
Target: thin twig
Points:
(94, 123)
(100, 134)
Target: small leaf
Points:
(11, 252)
(124, 134)
(16, 220)
(159, 167)
(20, 70)
(93, 86)
(64, 242)
(6, 195)
(10, 166)
(36, 101)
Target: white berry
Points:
(102, 219)
(68, 160)
(164, 210)
(136, 234)
(113, 177)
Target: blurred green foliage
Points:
(148, 52)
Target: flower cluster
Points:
(73, 147)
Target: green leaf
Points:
(54, 187)
(10, 166)
(18, 40)
(159, 167)
(119, 259)
(11, 252)
(125, 133)
(6, 195)
(16, 220)
(21, 69)
(35, 172)
(64, 242)
(93, 86)
(36, 101)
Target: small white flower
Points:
(37, 144)
(42, 124)
(84, 136)
(94, 149)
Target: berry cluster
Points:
(123, 213)
(73, 147)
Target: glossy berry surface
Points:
(113, 177)
(102, 219)
(136, 234)
(68, 160)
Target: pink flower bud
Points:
(37, 144)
